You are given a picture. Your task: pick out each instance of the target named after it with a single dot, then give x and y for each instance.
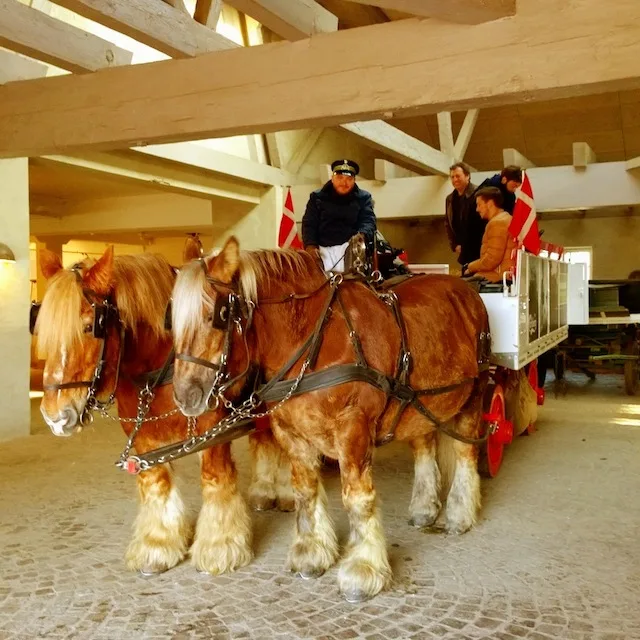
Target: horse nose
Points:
(190, 399)
(64, 424)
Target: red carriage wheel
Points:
(533, 381)
(491, 455)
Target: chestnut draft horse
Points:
(101, 330)
(339, 358)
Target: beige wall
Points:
(615, 241)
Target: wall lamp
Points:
(6, 255)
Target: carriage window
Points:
(580, 254)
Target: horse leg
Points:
(365, 569)
(223, 532)
(459, 461)
(315, 546)
(270, 474)
(425, 500)
(161, 530)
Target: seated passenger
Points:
(497, 250)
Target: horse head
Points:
(77, 335)
(203, 316)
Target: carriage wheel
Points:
(491, 453)
(533, 381)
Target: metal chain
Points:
(239, 415)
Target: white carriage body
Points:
(530, 316)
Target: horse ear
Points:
(100, 277)
(50, 263)
(192, 249)
(227, 262)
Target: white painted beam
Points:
(196, 155)
(445, 134)
(583, 154)
(134, 169)
(384, 170)
(207, 12)
(400, 145)
(303, 150)
(464, 137)
(514, 157)
(634, 163)
(555, 189)
(38, 35)
(155, 24)
(463, 11)
(16, 67)
(127, 214)
(286, 85)
(290, 19)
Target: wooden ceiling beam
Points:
(156, 24)
(462, 11)
(15, 67)
(207, 12)
(290, 19)
(39, 36)
(286, 85)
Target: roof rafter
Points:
(463, 11)
(37, 35)
(286, 85)
(290, 19)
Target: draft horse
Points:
(341, 363)
(101, 330)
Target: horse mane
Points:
(287, 266)
(142, 287)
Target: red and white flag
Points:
(288, 234)
(524, 225)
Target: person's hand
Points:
(458, 249)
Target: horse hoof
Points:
(355, 596)
(148, 572)
(422, 520)
(263, 504)
(310, 574)
(286, 505)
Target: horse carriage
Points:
(267, 344)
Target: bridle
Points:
(105, 313)
(230, 309)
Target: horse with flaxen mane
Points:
(338, 360)
(101, 330)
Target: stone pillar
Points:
(15, 340)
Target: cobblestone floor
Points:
(555, 555)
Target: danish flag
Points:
(524, 225)
(288, 234)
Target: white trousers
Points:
(333, 257)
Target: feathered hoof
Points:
(261, 503)
(309, 558)
(422, 520)
(152, 560)
(286, 504)
(223, 557)
(359, 580)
